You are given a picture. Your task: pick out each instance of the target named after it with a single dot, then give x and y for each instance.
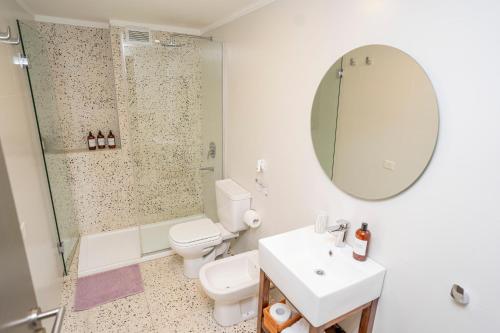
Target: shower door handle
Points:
(207, 169)
(34, 319)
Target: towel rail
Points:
(6, 38)
(5, 35)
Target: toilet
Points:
(233, 284)
(201, 241)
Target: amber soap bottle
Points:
(101, 142)
(111, 140)
(361, 241)
(91, 141)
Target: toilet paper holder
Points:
(252, 218)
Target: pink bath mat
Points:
(108, 286)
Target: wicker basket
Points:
(272, 326)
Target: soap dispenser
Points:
(361, 241)
(101, 142)
(91, 142)
(111, 140)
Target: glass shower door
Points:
(49, 125)
(174, 88)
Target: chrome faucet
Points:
(338, 230)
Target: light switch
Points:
(389, 165)
(22, 226)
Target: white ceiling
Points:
(198, 15)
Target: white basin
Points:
(291, 260)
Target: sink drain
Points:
(319, 272)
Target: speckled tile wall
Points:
(62, 196)
(153, 96)
(49, 119)
(164, 126)
(82, 75)
(102, 183)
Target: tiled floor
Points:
(170, 303)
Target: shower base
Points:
(109, 250)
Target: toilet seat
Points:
(196, 232)
(198, 242)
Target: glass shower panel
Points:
(172, 119)
(49, 126)
(211, 123)
(165, 122)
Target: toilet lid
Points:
(193, 231)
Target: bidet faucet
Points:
(338, 230)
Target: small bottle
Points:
(91, 141)
(361, 240)
(101, 142)
(111, 140)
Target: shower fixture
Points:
(170, 43)
(211, 150)
(210, 38)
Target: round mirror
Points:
(374, 122)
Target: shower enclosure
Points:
(175, 125)
(161, 95)
(49, 126)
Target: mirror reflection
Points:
(374, 122)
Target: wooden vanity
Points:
(367, 310)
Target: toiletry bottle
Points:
(361, 240)
(111, 140)
(91, 141)
(101, 142)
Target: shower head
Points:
(170, 43)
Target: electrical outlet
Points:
(389, 165)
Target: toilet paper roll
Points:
(252, 218)
(280, 312)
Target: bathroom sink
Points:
(321, 286)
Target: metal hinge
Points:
(340, 73)
(60, 247)
(21, 60)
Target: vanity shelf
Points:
(367, 310)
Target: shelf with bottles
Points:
(101, 142)
(80, 151)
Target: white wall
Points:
(23, 156)
(443, 229)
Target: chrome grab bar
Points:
(207, 169)
(33, 320)
(11, 42)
